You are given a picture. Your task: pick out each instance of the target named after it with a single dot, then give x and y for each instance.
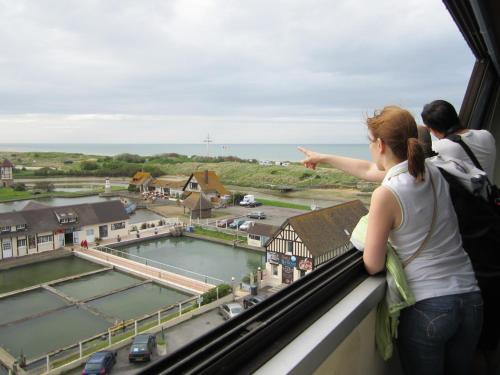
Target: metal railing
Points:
(120, 331)
(166, 267)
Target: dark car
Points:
(100, 363)
(254, 204)
(236, 223)
(256, 215)
(250, 301)
(142, 347)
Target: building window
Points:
(21, 242)
(193, 185)
(6, 245)
(4, 229)
(21, 227)
(274, 268)
(90, 232)
(290, 247)
(44, 239)
(117, 226)
(254, 237)
(31, 242)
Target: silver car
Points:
(230, 310)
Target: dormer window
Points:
(67, 216)
(21, 227)
(5, 229)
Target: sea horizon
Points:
(261, 151)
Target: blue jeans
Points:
(439, 335)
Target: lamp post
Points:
(232, 287)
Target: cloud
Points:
(207, 64)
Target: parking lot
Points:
(274, 215)
(175, 337)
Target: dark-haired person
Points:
(442, 120)
(412, 210)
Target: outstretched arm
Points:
(363, 169)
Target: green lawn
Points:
(268, 202)
(7, 194)
(213, 234)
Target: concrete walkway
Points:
(174, 280)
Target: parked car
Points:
(100, 363)
(223, 223)
(249, 201)
(250, 300)
(236, 223)
(246, 225)
(142, 347)
(230, 310)
(256, 215)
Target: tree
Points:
(44, 186)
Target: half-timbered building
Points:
(304, 242)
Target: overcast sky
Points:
(259, 71)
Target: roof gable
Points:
(6, 164)
(328, 228)
(140, 178)
(193, 202)
(208, 181)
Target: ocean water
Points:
(276, 152)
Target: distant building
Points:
(6, 176)
(37, 229)
(198, 206)
(172, 188)
(304, 242)
(208, 183)
(259, 234)
(141, 180)
(107, 185)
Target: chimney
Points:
(206, 176)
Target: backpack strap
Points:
(431, 229)
(458, 139)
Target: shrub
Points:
(133, 188)
(88, 165)
(19, 186)
(130, 158)
(211, 295)
(144, 226)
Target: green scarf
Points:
(397, 296)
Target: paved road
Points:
(274, 215)
(175, 337)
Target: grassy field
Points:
(231, 172)
(269, 202)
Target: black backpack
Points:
(479, 226)
(478, 219)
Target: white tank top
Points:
(442, 267)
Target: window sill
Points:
(310, 349)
